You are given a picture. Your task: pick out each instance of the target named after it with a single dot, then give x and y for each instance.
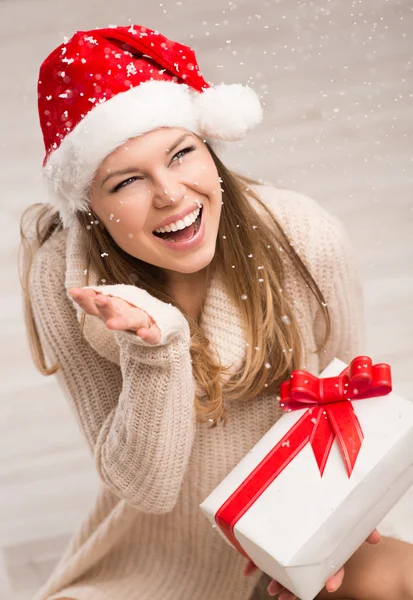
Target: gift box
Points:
(309, 493)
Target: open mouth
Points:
(182, 235)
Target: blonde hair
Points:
(267, 314)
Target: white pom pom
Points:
(228, 112)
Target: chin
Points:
(192, 263)
(193, 266)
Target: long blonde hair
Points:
(261, 314)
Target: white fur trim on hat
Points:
(226, 112)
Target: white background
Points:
(336, 79)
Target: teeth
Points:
(181, 224)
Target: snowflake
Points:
(131, 69)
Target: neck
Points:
(189, 291)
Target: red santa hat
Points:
(105, 86)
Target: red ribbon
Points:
(330, 415)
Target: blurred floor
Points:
(336, 79)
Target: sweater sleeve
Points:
(337, 274)
(138, 417)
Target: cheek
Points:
(124, 221)
(204, 178)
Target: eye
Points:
(125, 183)
(181, 153)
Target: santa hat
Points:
(105, 86)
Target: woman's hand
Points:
(117, 314)
(332, 584)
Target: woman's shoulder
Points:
(293, 207)
(308, 225)
(50, 258)
(54, 247)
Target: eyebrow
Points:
(129, 170)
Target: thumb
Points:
(151, 334)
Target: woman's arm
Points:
(139, 419)
(377, 572)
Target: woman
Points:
(172, 297)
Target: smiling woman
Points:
(172, 297)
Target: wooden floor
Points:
(337, 82)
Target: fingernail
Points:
(274, 588)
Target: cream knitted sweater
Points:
(145, 537)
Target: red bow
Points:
(331, 413)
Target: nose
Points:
(167, 190)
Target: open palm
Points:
(117, 313)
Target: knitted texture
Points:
(145, 537)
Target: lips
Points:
(176, 234)
(196, 240)
(177, 217)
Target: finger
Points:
(116, 318)
(80, 293)
(286, 595)
(119, 313)
(374, 537)
(106, 312)
(249, 568)
(152, 335)
(335, 581)
(85, 299)
(274, 587)
(103, 302)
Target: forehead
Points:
(158, 141)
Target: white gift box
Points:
(305, 526)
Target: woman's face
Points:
(154, 179)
